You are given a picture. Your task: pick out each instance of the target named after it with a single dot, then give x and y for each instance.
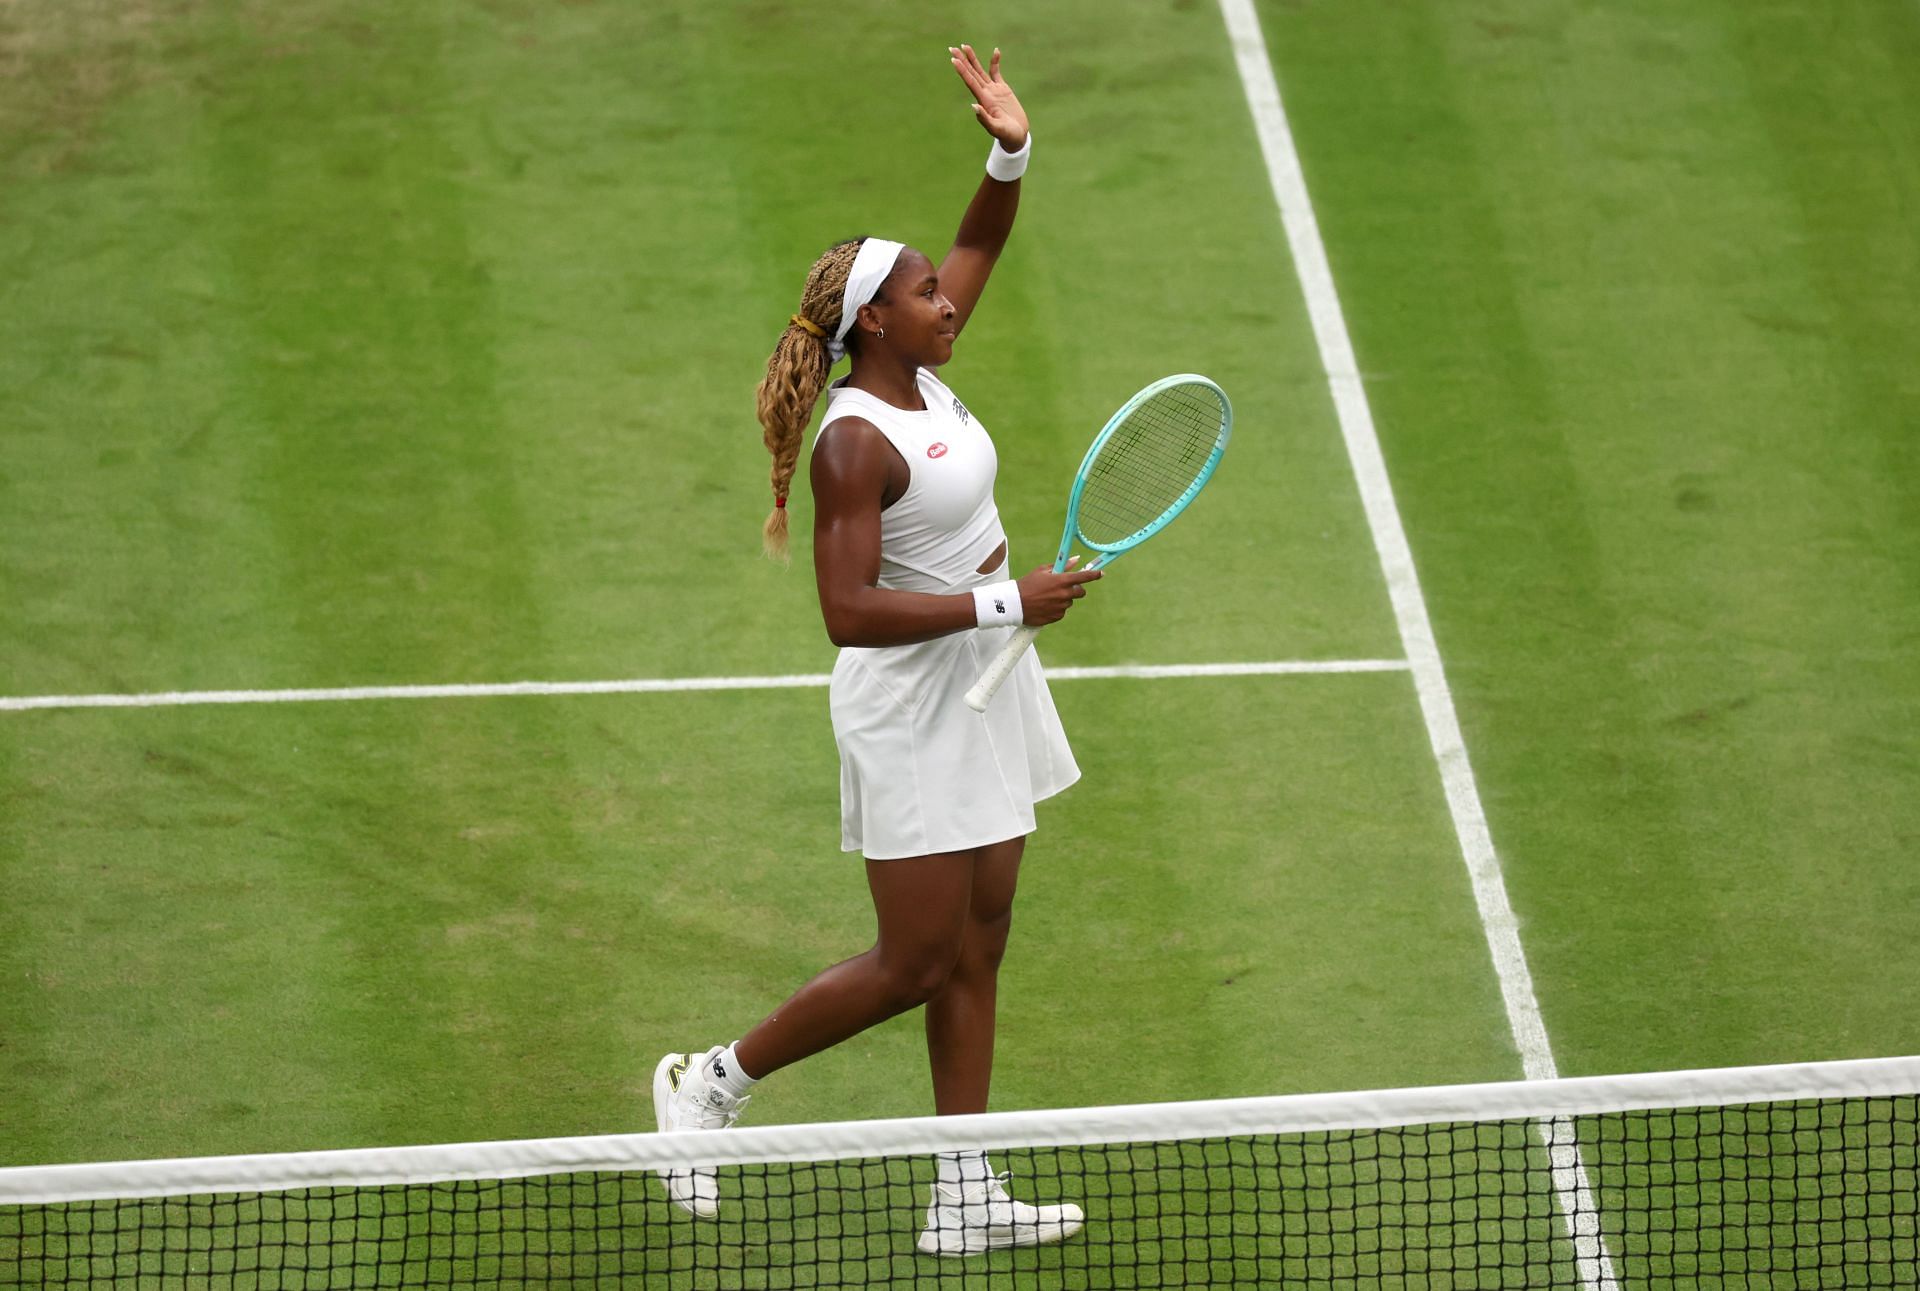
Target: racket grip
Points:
(1000, 669)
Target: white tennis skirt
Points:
(920, 772)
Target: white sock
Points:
(724, 1070)
(957, 1168)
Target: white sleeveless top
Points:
(945, 525)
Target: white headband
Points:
(870, 268)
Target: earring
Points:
(881, 335)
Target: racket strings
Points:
(1149, 463)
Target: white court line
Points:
(1529, 1030)
(655, 685)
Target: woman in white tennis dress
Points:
(911, 563)
(920, 772)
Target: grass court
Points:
(350, 344)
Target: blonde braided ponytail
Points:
(796, 374)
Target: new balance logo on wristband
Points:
(997, 605)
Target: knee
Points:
(914, 979)
(987, 941)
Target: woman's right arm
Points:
(849, 471)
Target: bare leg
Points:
(960, 1017)
(922, 905)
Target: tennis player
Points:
(911, 563)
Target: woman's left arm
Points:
(989, 218)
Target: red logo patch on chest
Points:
(936, 450)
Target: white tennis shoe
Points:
(684, 1099)
(970, 1218)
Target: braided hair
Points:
(796, 374)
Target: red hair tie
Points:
(779, 502)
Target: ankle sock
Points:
(957, 1168)
(724, 1070)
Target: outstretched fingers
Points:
(996, 106)
(969, 68)
(976, 74)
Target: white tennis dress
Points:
(920, 772)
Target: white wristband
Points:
(1008, 166)
(997, 605)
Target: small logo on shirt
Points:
(936, 450)
(960, 410)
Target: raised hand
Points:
(995, 105)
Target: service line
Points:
(657, 685)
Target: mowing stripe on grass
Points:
(1262, 88)
(654, 685)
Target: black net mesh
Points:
(1809, 1194)
(1149, 464)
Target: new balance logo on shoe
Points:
(674, 1073)
(719, 1069)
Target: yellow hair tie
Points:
(809, 325)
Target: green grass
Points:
(505, 907)
(345, 343)
(1627, 279)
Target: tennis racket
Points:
(1149, 460)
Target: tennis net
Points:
(1789, 1176)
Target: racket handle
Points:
(1000, 669)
